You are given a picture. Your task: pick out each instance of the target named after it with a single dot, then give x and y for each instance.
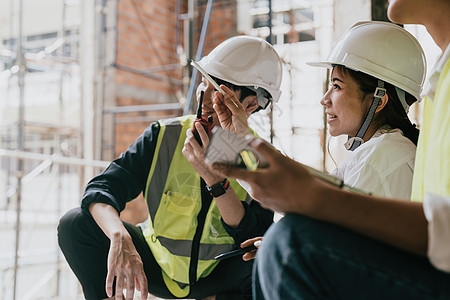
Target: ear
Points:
(250, 103)
(382, 103)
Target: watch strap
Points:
(218, 189)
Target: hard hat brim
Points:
(323, 64)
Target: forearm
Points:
(229, 204)
(107, 219)
(230, 208)
(399, 223)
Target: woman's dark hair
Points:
(393, 114)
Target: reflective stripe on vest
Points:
(183, 248)
(174, 200)
(156, 185)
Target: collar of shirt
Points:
(430, 87)
(384, 129)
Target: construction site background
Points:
(80, 80)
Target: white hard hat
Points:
(383, 50)
(247, 61)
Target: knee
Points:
(67, 220)
(282, 232)
(293, 231)
(67, 224)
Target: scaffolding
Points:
(42, 174)
(40, 161)
(41, 169)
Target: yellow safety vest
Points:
(173, 197)
(432, 165)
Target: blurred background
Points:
(81, 79)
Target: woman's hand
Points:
(251, 254)
(195, 154)
(230, 112)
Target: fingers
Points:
(265, 149)
(249, 255)
(218, 98)
(190, 138)
(119, 286)
(230, 171)
(246, 243)
(203, 135)
(222, 111)
(250, 242)
(109, 284)
(252, 254)
(130, 288)
(187, 150)
(231, 101)
(142, 285)
(192, 149)
(134, 278)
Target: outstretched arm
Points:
(287, 186)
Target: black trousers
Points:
(86, 247)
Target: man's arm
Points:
(286, 186)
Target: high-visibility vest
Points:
(432, 165)
(173, 197)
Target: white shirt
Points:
(437, 207)
(382, 166)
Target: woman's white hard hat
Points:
(383, 50)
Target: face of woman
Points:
(344, 105)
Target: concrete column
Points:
(87, 66)
(348, 12)
(108, 73)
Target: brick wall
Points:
(153, 45)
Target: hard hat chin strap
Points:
(402, 98)
(354, 142)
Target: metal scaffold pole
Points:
(201, 43)
(270, 40)
(21, 77)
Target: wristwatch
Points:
(218, 189)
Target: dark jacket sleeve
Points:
(125, 178)
(254, 223)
